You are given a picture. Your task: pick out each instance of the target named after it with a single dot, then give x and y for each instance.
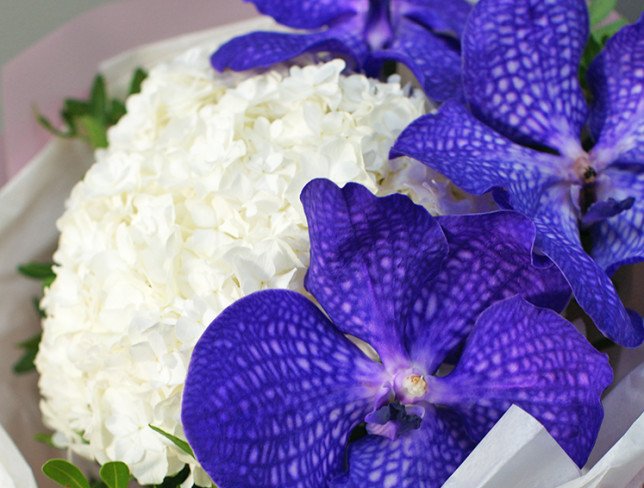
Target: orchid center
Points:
(584, 170)
(414, 386)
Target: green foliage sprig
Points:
(44, 273)
(90, 119)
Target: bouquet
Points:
(291, 266)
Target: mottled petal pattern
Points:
(263, 49)
(616, 78)
(520, 354)
(437, 15)
(558, 238)
(423, 458)
(272, 392)
(435, 64)
(619, 240)
(309, 14)
(490, 258)
(520, 63)
(476, 158)
(370, 257)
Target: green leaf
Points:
(600, 9)
(181, 444)
(49, 127)
(98, 99)
(605, 32)
(115, 474)
(136, 81)
(46, 439)
(116, 112)
(65, 474)
(94, 130)
(30, 349)
(38, 271)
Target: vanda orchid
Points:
(275, 390)
(524, 135)
(422, 34)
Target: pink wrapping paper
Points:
(68, 58)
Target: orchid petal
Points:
(272, 392)
(369, 258)
(490, 258)
(520, 354)
(423, 458)
(263, 49)
(309, 14)
(520, 64)
(476, 158)
(619, 240)
(435, 63)
(558, 238)
(616, 79)
(437, 15)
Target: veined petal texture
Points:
(490, 258)
(422, 458)
(435, 64)
(263, 49)
(616, 79)
(520, 354)
(520, 64)
(370, 257)
(558, 238)
(437, 15)
(272, 393)
(309, 14)
(476, 158)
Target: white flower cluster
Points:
(195, 204)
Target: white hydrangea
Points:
(194, 205)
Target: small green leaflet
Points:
(115, 474)
(600, 9)
(43, 272)
(46, 439)
(181, 444)
(65, 474)
(29, 351)
(90, 119)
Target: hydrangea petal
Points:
(435, 63)
(437, 15)
(308, 14)
(490, 258)
(520, 354)
(616, 79)
(423, 458)
(476, 158)
(558, 238)
(263, 49)
(520, 63)
(272, 392)
(369, 258)
(619, 240)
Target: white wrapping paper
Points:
(14, 471)
(518, 452)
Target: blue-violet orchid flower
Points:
(421, 34)
(520, 73)
(275, 388)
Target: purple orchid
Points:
(422, 34)
(275, 388)
(520, 71)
